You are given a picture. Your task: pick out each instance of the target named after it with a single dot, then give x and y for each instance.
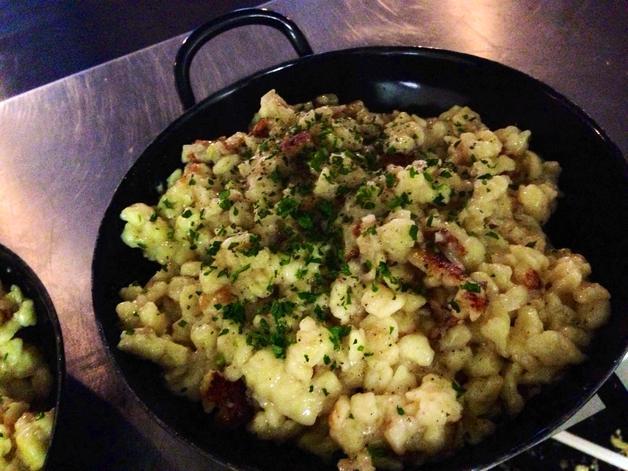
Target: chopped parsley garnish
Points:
(235, 274)
(278, 350)
(414, 232)
(439, 199)
(364, 196)
(471, 287)
(400, 411)
(254, 246)
(318, 158)
(399, 201)
(383, 272)
(223, 199)
(320, 313)
(213, 249)
(308, 297)
(276, 176)
(234, 312)
(286, 206)
(280, 309)
(458, 388)
(305, 221)
(277, 336)
(336, 334)
(326, 208)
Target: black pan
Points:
(591, 219)
(46, 334)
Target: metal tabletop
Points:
(64, 148)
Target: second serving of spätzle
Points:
(25, 379)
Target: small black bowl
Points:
(46, 334)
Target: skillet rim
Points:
(445, 55)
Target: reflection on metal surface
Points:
(65, 147)
(480, 26)
(412, 85)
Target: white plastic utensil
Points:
(590, 448)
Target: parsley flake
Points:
(414, 231)
(223, 200)
(458, 388)
(471, 287)
(336, 334)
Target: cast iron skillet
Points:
(45, 335)
(591, 217)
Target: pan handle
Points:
(245, 16)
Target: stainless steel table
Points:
(64, 148)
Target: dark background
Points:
(45, 40)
